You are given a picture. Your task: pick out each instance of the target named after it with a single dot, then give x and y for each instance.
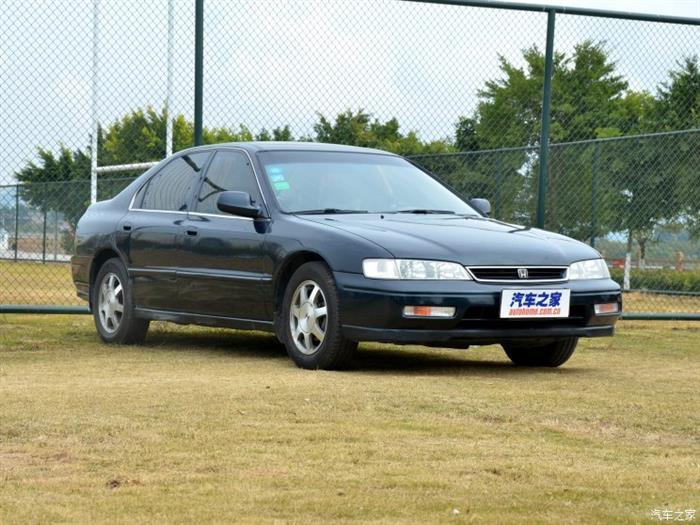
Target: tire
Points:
(552, 355)
(113, 326)
(313, 338)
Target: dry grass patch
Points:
(36, 283)
(648, 302)
(218, 426)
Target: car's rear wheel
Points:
(112, 306)
(311, 320)
(552, 354)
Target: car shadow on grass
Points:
(419, 360)
(248, 344)
(370, 358)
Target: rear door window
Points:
(172, 187)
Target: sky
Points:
(685, 8)
(270, 63)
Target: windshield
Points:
(333, 182)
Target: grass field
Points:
(36, 283)
(218, 426)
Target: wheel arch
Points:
(285, 272)
(101, 257)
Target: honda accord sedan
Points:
(327, 246)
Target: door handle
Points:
(126, 227)
(191, 231)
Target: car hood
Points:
(467, 240)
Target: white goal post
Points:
(95, 124)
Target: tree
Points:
(466, 138)
(586, 94)
(585, 91)
(631, 185)
(678, 108)
(57, 183)
(280, 133)
(678, 100)
(358, 129)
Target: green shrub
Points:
(656, 279)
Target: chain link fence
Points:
(97, 90)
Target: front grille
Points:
(511, 273)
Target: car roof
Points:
(258, 146)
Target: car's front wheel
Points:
(112, 306)
(311, 320)
(552, 354)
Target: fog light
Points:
(429, 311)
(607, 308)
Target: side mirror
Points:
(483, 206)
(238, 203)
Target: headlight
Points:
(591, 269)
(413, 269)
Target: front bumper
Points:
(372, 311)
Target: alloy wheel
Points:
(308, 317)
(110, 303)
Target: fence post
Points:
(169, 89)
(546, 111)
(499, 181)
(16, 220)
(594, 192)
(198, 69)
(93, 110)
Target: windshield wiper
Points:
(324, 211)
(424, 211)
